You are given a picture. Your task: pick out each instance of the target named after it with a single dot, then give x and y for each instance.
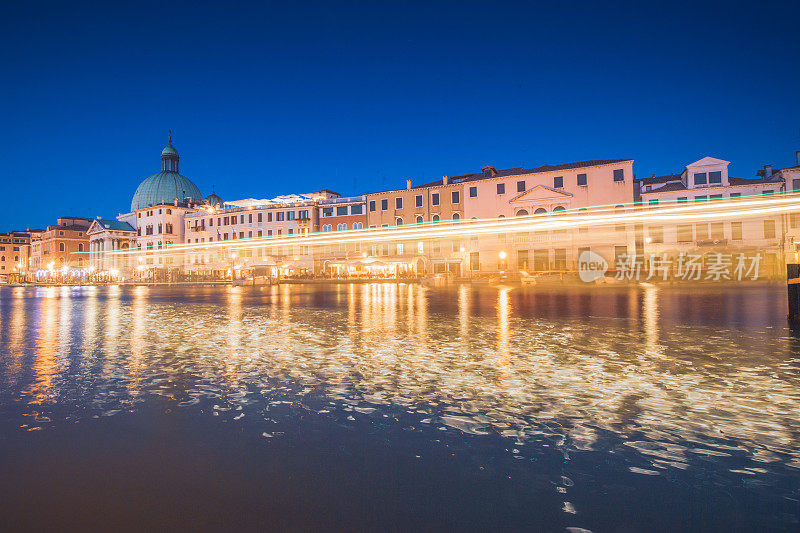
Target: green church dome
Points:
(167, 185)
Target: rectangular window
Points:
(269, 233)
(259, 233)
(769, 229)
(736, 195)
(700, 178)
(280, 216)
(582, 179)
(269, 217)
(558, 182)
(341, 210)
(715, 177)
(435, 198)
(385, 204)
(357, 209)
(656, 234)
(685, 233)
(521, 186)
(241, 235)
(250, 218)
(653, 202)
(794, 220)
(327, 212)
(259, 217)
(765, 193)
(715, 197)
(398, 203)
(501, 188)
(702, 232)
(210, 221)
(619, 174)
(700, 198)
(717, 231)
(796, 184)
(455, 197)
(290, 215)
(241, 219)
(291, 231)
(682, 199)
(736, 231)
(372, 205)
(418, 200)
(473, 192)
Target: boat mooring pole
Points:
(793, 286)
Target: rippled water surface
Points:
(399, 407)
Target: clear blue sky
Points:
(274, 98)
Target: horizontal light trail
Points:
(709, 210)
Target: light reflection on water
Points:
(664, 379)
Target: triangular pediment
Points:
(96, 227)
(708, 162)
(541, 193)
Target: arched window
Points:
(456, 216)
(435, 218)
(419, 219)
(398, 222)
(61, 247)
(501, 216)
(80, 246)
(540, 211)
(522, 213)
(559, 208)
(358, 225)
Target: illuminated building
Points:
(520, 191)
(707, 180)
(158, 207)
(342, 214)
(252, 218)
(63, 248)
(105, 236)
(431, 202)
(15, 254)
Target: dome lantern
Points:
(168, 186)
(169, 157)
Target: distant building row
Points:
(168, 209)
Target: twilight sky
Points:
(274, 98)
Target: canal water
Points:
(399, 407)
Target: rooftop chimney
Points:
(767, 171)
(408, 184)
(445, 180)
(797, 155)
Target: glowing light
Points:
(502, 254)
(745, 207)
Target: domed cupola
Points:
(214, 200)
(169, 157)
(167, 186)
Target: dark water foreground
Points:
(385, 407)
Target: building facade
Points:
(707, 180)
(106, 237)
(15, 254)
(62, 249)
